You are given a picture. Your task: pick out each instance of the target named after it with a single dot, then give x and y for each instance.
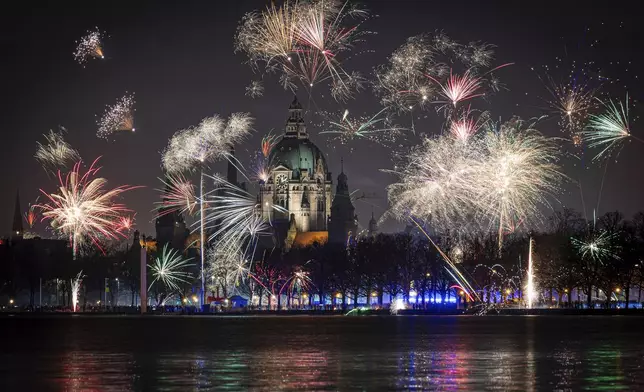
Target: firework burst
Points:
(83, 209)
(178, 196)
(268, 142)
(117, 118)
(89, 46)
(304, 41)
(55, 153)
(572, 102)
(170, 269)
(255, 89)
(609, 129)
(31, 215)
(597, 246)
(377, 128)
(465, 126)
(211, 140)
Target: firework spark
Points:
(460, 88)
(55, 153)
(609, 129)
(89, 46)
(117, 118)
(255, 89)
(178, 196)
(170, 269)
(268, 142)
(572, 102)
(126, 223)
(76, 285)
(83, 209)
(463, 127)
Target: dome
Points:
(297, 154)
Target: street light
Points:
(11, 301)
(508, 291)
(617, 290)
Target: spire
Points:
(295, 127)
(341, 164)
(16, 227)
(373, 225)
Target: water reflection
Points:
(326, 353)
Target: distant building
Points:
(296, 195)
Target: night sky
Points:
(178, 59)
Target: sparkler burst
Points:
(117, 118)
(89, 46)
(55, 153)
(609, 129)
(211, 140)
(83, 209)
(376, 128)
(170, 269)
(500, 176)
(178, 196)
(255, 89)
(304, 41)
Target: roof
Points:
(310, 237)
(297, 154)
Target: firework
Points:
(298, 282)
(83, 209)
(376, 127)
(303, 41)
(89, 46)
(572, 103)
(596, 246)
(31, 215)
(268, 142)
(117, 118)
(255, 89)
(126, 223)
(76, 285)
(499, 176)
(608, 130)
(210, 141)
(56, 152)
(463, 127)
(170, 269)
(422, 71)
(178, 196)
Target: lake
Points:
(272, 353)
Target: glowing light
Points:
(531, 293)
(75, 285)
(397, 305)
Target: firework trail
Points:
(117, 118)
(55, 153)
(83, 209)
(177, 196)
(609, 129)
(304, 42)
(377, 128)
(170, 269)
(89, 46)
(76, 285)
(255, 89)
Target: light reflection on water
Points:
(322, 353)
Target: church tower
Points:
(17, 230)
(373, 226)
(343, 223)
(296, 195)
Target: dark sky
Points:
(178, 58)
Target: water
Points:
(321, 353)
